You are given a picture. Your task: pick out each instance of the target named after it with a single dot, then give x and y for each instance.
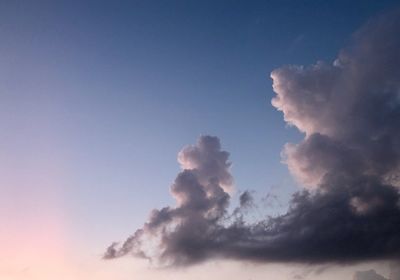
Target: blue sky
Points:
(107, 93)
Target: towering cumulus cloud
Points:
(349, 163)
(188, 232)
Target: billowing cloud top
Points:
(185, 233)
(349, 111)
(349, 161)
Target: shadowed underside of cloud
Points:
(349, 162)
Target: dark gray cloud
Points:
(373, 275)
(245, 199)
(368, 275)
(349, 162)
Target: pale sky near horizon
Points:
(98, 97)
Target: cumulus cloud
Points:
(349, 162)
(208, 161)
(186, 233)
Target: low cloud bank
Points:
(368, 275)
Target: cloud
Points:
(185, 233)
(368, 275)
(349, 162)
(373, 275)
(394, 271)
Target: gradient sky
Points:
(97, 98)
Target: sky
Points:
(99, 97)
